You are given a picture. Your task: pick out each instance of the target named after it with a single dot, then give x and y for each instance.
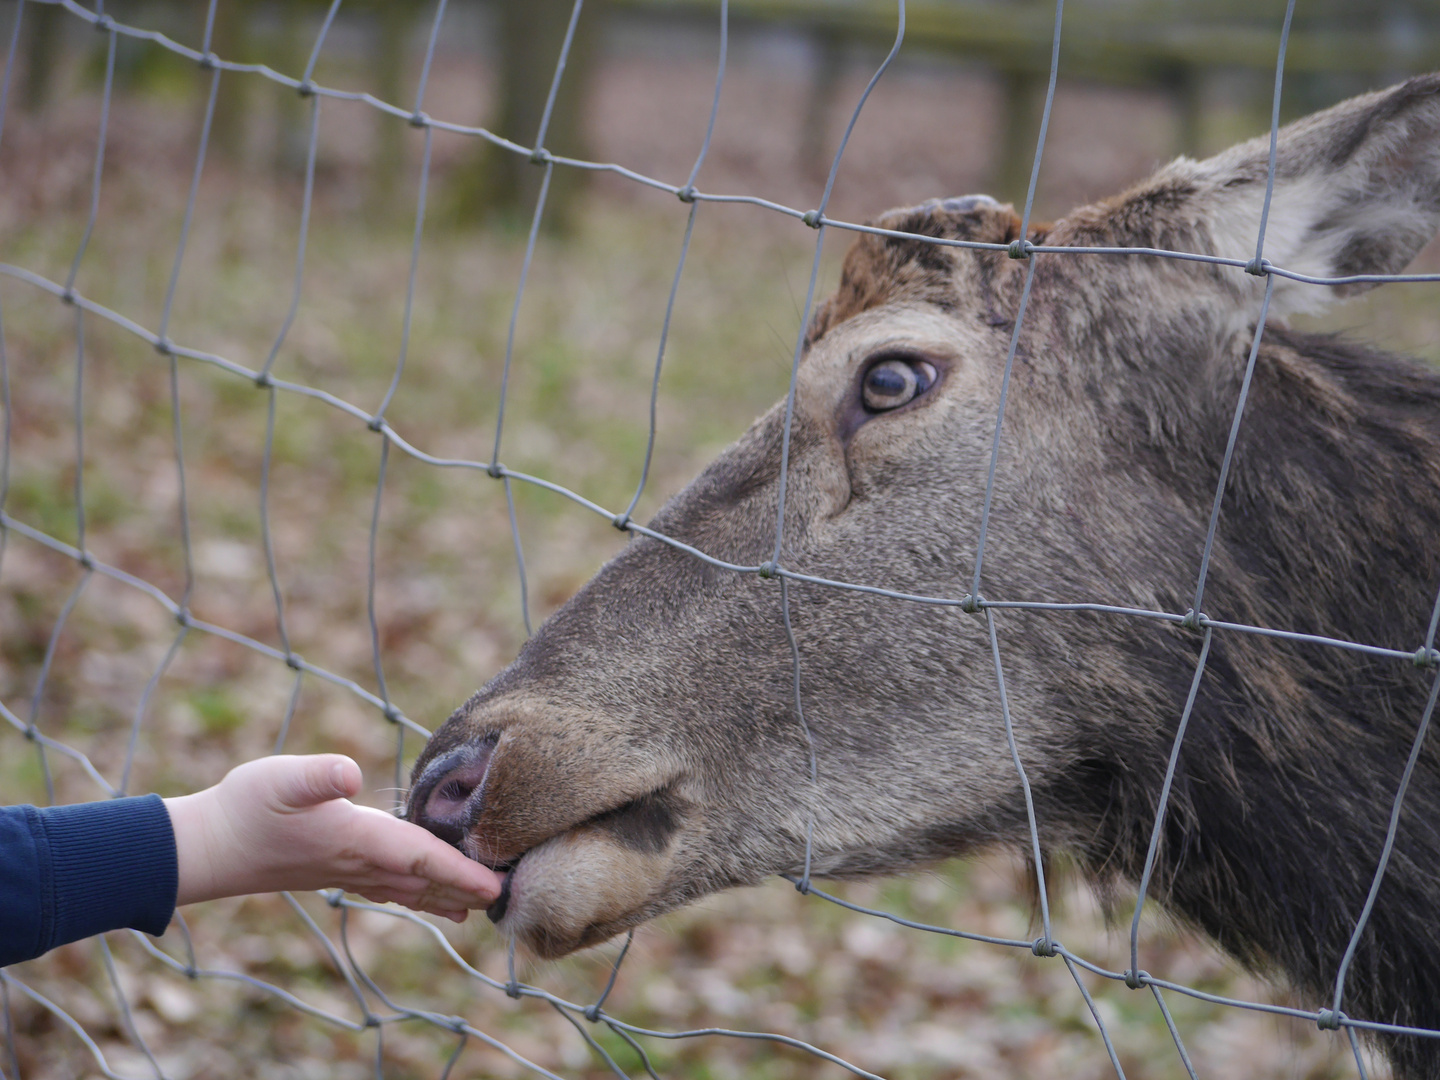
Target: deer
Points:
(647, 746)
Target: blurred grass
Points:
(903, 1003)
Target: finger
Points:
(418, 896)
(403, 848)
(422, 895)
(454, 915)
(301, 782)
(346, 775)
(450, 871)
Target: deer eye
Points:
(894, 382)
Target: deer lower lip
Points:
(496, 911)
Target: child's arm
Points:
(287, 823)
(68, 872)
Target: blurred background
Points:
(1141, 80)
(958, 112)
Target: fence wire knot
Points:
(1258, 267)
(769, 569)
(686, 194)
(813, 218)
(1020, 249)
(541, 156)
(1043, 946)
(1328, 1020)
(1137, 980)
(1194, 620)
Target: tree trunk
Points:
(530, 34)
(292, 112)
(1022, 106)
(393, 23)
(42, 54)
(230, 41)
(814, 145)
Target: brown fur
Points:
(646, 749)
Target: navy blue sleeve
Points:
(68, 872)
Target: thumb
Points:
(300, 782)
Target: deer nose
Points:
(447, 797)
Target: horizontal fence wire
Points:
(360, 990)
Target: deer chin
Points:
(578, 889)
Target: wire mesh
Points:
(374, 1009)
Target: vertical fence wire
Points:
(310, 147)
(686, 193)
(1046, 945)
(1133, 976)
(1389, 846)
(122, 1003)
(539, 156)
(1018, 250)
(816, 219)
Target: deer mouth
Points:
(561, 888)
(645, 825)
(587, 883)
(583, 853)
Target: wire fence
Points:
(373, 1007)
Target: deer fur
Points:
(644, 748)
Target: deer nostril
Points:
(449, 801)
(446, 796)
(454, 791)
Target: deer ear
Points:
(1357, 191)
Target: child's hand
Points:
(287, 823)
